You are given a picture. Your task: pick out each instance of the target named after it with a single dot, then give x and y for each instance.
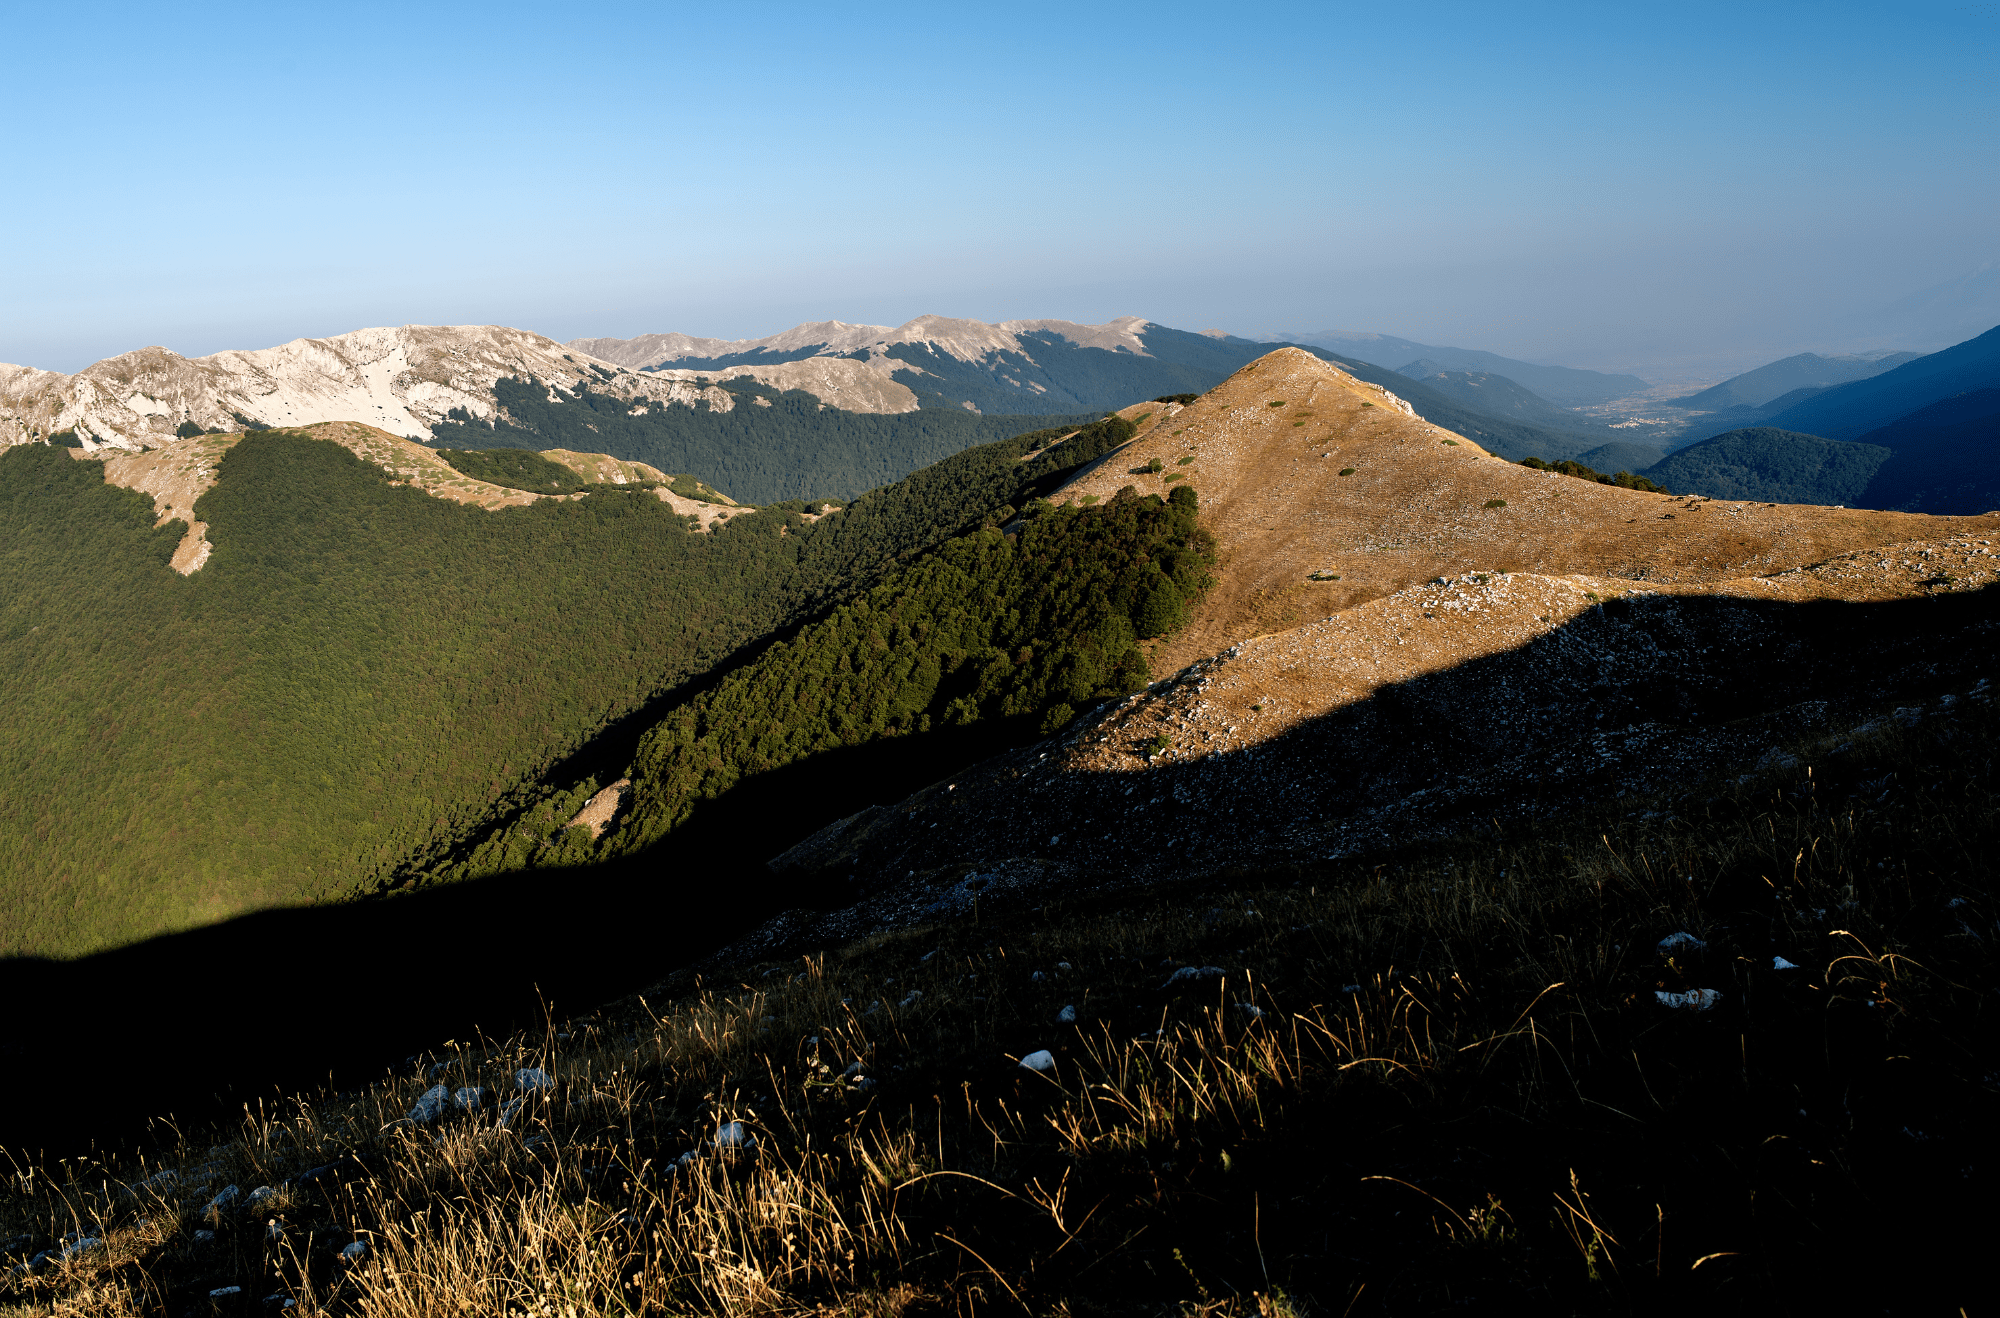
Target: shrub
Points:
(1347, 471)
(1496, 503)
(1276, 402)
(1182, 399)
(1155, 465)
(1184, 461)
(65, 439)
(1056, 718)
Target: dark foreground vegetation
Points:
(1437, 1077)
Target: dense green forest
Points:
(990, 639)
(1778, 466)
(791, 449)
(364, 679)
(360, 673)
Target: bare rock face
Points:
(401, 380)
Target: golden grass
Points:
(1456, 1087)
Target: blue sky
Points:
(1681, 188)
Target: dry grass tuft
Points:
(1442, 1078)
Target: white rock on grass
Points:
(1067, 1016)
(509, 1110)
(260, 1196)
(1251, 1009)
(532, 1078)
(224, 1292)
(1186, 973)
(223, 1201)
(1041, 1061)
(467, 1099)
(1779, 963)
(1692, 1000)
(1681, 942)
(355, 1252)
(734, 1135)
(436, 1101)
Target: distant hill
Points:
(1807, 370)
(1497, 396)
(1559, 384)
(1016, 369)
(1849, 411)
(1773, 466)
(1621, 455)
(1946, 459)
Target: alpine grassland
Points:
(1457, 1073)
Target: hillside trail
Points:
(1266, 450)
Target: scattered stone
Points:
(260, 1196)
(1186, 973)
(1692, 1000)
(1779, 963)
(467, 1099)
(222, 1202)
(1042, 1061)
(355, 1252)
(1067, 1016)
(734, 1135)
(1681, 943)
(82, 1246)
(203, 1236)
(532, 1078)
(435, 1102)
(224, 1292)
(915, 997)
(1251, 1009)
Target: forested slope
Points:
(770, 447)
(359, 672)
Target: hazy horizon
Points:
(1682, 193)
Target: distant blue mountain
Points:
(1849, 411)
(1565, 385)
(1807, 370)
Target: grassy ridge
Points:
(356, 673)
(1458, 1088)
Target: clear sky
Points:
(1661, 187)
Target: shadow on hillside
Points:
(197, 1024)
(1648, 694)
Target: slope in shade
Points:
(1849, 411)
(1807, 370)
(1946, 459)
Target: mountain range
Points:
(1564, 385)
(1225, 769)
